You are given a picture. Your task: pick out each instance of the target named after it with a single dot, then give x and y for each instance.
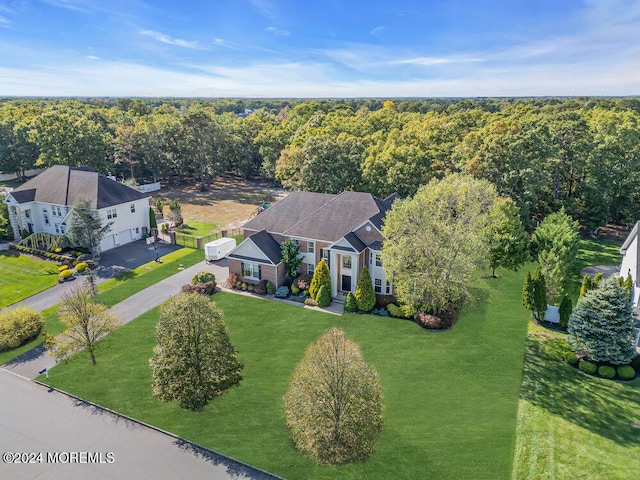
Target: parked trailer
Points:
(219, 248)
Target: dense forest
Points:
(582, 154)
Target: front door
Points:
(346, 283)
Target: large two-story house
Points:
(44, 204)
(343, 229)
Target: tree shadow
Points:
(603, 407)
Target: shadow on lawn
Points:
(601, 406)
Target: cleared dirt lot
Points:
(228, 203)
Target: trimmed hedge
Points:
(18, 326)
(65, 274)
(571, 358)
(587, 367)
(626, 372)
(323, 299)
(271, 289)
(606, 371)
(395, 311)
(205, 288)
(81, 267)
(350, 305)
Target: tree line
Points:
(545, 153)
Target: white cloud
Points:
(265, 7)
(92, 57)
(164, 38)
(4, 22)
(277, 31)
(378, 31)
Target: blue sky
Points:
(310, 48)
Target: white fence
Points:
(149, 187)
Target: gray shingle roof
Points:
(62, 185)
(287, 212)
(269, 246)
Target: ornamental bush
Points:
(295, 290)
(626, 372)
(365, 296)
(606, 371)
(271, 289)
(587, 367)
(203, 277)
(81, 267)
(570, 357)
(66, 274)
(350, 305)
(206, 288)
(18, 326)
(62, 268)
(635, 363)
(323, 299)
(303, 282)
(282, 292)
(395, 311)
(321, 276)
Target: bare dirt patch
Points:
(229, 202)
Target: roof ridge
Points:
(316, 210)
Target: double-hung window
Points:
(45, 214)
(346, 262)
(311, 247)
(133, 208)
(378, 259)
(377, 285)
(251, 270)
(112, 213)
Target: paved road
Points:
(35, 420)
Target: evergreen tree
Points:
(527, 293)
(628, 285)
(365, 296)
(323, 299)
(350, 305)
(508, 240)
(586, 285)
(152, 219)
(86, 229)
(597, 279)
(539, 295)
(321, 276)
(290, 258)
(565, 310)
(601, 326)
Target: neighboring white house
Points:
(629, 266)
(44, 204)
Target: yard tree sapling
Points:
(86, 321)
(334, 403)
(291, 258)
(321, 276)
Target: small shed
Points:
(219, 248)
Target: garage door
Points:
(107, 243)
(124, 237)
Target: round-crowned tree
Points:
(334, 404)
(601, 325)
(194, 360)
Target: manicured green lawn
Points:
(197, 228)
(451, 397)
(571, 425)
(24, 276)
(116, 290)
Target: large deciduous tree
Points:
(435, 240)
(194, 360)
(334, 403)
(86, 321)
(601, 326)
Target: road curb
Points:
(195, 446)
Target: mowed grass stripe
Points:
(451, 397)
